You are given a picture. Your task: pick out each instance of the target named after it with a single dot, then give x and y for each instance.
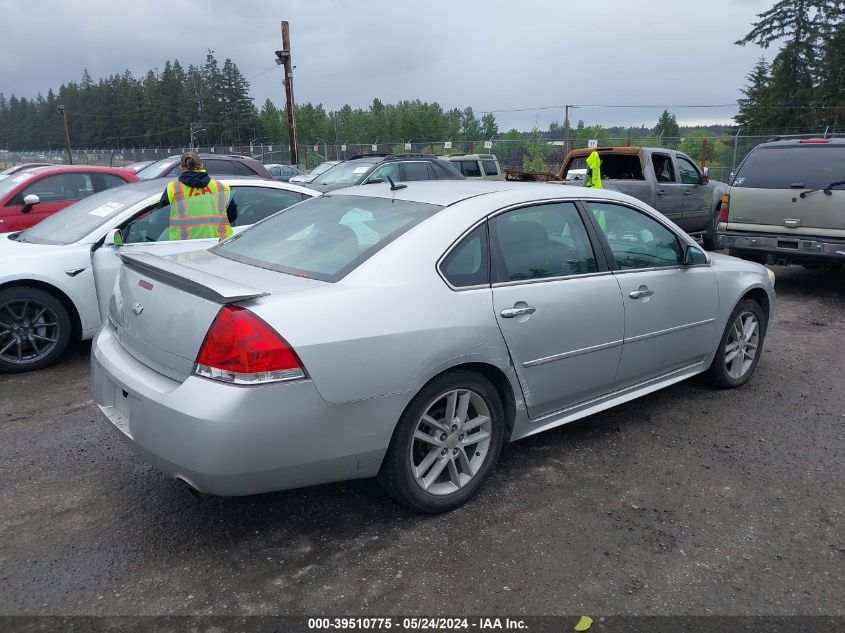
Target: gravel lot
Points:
(687, 501)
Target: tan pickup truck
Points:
(665, 179)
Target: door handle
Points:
(509, 313)
(641, 293)
(687, 193)
(661, 192)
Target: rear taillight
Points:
(724, 208)
(814, 141)
(240, 348)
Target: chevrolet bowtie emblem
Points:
(137, 308)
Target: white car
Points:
(311, 175)
(56, 277)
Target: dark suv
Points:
(215, 165)
(370, 168)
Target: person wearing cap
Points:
(200, 207)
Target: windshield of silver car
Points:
(326, 237)
(79, 219)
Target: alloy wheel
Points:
(29, 331)
(451, 441)
(741, 346)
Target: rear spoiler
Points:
(196, 282)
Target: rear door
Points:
(670, 309)
(668, 191)
(698, 205)
(559, 310)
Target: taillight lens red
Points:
(241, 348)
(724, 208)
(813, 141)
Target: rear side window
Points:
(326, 237)
(468, 263)
(242, 170)
(219, 167)
(490, 167)
(257, 203)
(468, 168)
(793, 166)
(110, 181)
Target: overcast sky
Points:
(490, 54)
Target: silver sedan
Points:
(408, 331)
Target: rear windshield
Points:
(810, 166)
(613, 167)
(326, 237)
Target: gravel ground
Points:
(689, 500)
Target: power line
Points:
(665, 106)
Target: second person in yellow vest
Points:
(200, 207)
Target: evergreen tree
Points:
(755, 111)
(667, 129)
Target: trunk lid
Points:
(162, 307)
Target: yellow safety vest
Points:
(594, 172)
(197, 213)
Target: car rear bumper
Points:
(774, 248)
(232, 440)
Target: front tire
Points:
(34, 329)
(445, 444)
(740, 347)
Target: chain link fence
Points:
(721, 154)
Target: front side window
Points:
(468, 263)
(663, 170)
(326, 237)
(689, 174)
(60, 187)
(219, 167)
(635, 239)
(547, 240)
(382, 173)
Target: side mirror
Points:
(29, 201)
(113, 238)
(693, 255)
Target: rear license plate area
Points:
(121, 410)
(788, 244)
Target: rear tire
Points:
(445, 444)
(35, 329)
(740, 347)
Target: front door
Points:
(698, 203)
(668, 192)
(560, 314)
(54, 192)
(670, 309)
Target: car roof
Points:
(802, 142)
(157, 185)
(448, 192)
(49, 169)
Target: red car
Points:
(29, 196)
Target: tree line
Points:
(804, 84)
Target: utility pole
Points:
(61, 110)
(283, 58)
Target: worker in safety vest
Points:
(199, 206)
(593, 180)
